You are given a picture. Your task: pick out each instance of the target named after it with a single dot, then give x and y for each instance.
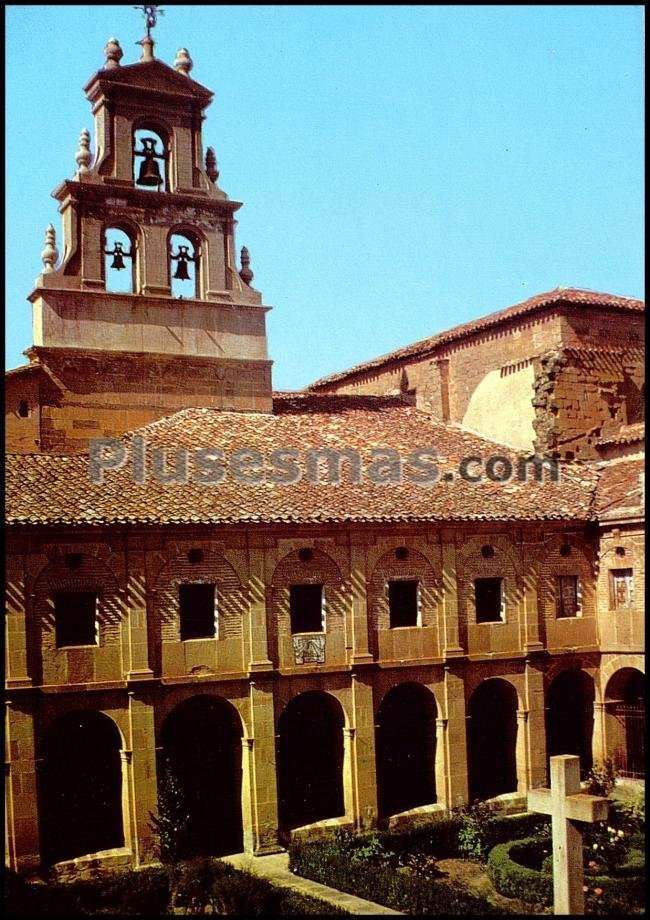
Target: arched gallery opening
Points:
(570, 716)
(492, 739)
(406, 749)
(81, 787)
(200, 775)
(625, 722)
(310, 760)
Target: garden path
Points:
(275, 869)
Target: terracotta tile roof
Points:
(628, 434)
(620, 490)
(571, 296)
(44, 489)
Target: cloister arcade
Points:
(203, 760)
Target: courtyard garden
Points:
(474, 861)
(477, 861)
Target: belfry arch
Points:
(310, 760)
(200, 764)
(81, 787)
(406, 749)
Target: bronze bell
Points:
(182, 258)
(149, 170)
(118, 257)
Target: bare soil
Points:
(472, 875)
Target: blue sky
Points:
(403, 169)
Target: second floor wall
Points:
(91, 609)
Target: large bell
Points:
(149, 171)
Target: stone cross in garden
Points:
(566, 805)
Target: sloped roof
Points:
(571, 296)
(153, 76)
(627, 434)
(620, 492)
(46, 489)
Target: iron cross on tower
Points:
(150, 14)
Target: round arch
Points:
(320, 566)
(625, 721)
(310, 760)
(144, 127)
(81, 787)
(492, 739)
(570, 715)
(121, 255)
(406, 748)
(186, 257)
(200, 776)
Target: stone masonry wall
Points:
(582, 395)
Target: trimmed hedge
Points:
(149, 892)
(441, 839)
(143, 893)
(515, 880)
(622, 893)
(328, 863)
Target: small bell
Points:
(149, 170)
(118, 257)
(182, 258)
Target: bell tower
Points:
(144, 311)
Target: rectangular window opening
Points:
(622, 588)
(306, 608)
(403, 603)
(568, 596)
(197, 611)
(75, 618)
(489, 600)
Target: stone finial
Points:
(183, 62)
(83, 155)
(245, 273)
(113, 54)
(147, 49)
(211, 165)
(50, 254)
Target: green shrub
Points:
(516, 880)
(329, 862)
(511, 871)
(144, 893)
(196, 886)
(442, 838)
(601, 778)
(171, 824)
(473, 831)
(502, 828)
(439, 839)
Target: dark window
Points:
(75, 618)
(489, 599)
(568, 602)
(23, 408)
(403, 603)
(306, 608)
(197, 611)
(622, 588)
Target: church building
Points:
(194, 599)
